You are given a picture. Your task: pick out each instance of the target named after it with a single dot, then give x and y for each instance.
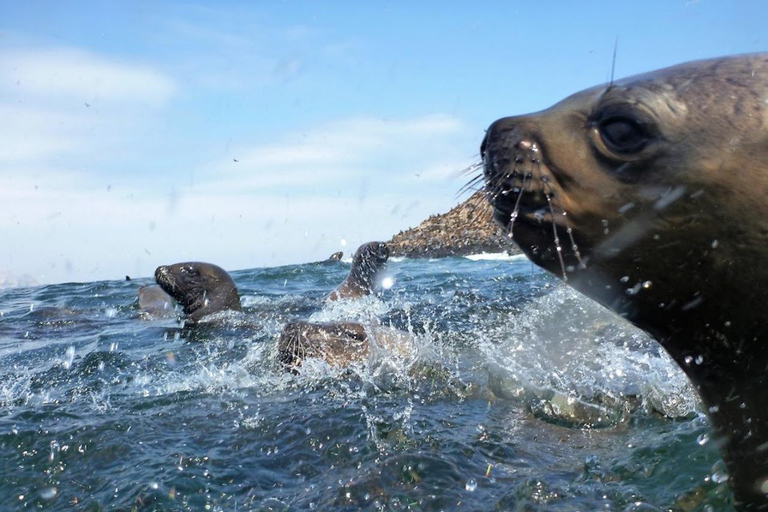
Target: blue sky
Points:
(264, 133)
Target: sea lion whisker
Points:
(471, 185)
(516, 209)
(558, 246)
(471, 168)
(574, 246)
(547, 189)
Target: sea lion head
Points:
(200, 288)
(368, 261)
(649, 195)
(338, 343)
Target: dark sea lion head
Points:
(650, 196)
(336, 256)
(338, 343)
(369, 259)
(200, 288)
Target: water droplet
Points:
(699, 359)
(387, 283)
(763, 485)
(702, 439)
(719, 477)
(647, 284)
(728, 323)
(624, 279)
(69, 357)
(688, 359)
(48, 493)
(714, 244)
(714, 409)
(471, 485)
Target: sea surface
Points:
(513, 393)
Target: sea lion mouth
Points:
(165, 279)
(524, 192)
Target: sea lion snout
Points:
(162, 276)
(517, 180)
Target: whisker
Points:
(569, 230)
(516, 209)
(558, 246)
(472, 168)
(469, 186)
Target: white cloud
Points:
(291, 199)
(76, 74)
(369, 148)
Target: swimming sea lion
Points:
(338, 343)
(154, 302)
(649, 195)
(200, 288)
(336, 256)
(369, 260)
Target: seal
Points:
(154, 302)
(337, 343)
(336, 256)
(200, 288)
(649, 196)
(369, 260)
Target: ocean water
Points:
(512, 393)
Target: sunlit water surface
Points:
(518, 395)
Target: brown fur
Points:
(662, 179)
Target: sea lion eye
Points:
(622, 134)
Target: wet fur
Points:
(367, 263)
(200, 288)
(673, 236)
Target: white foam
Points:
(497, 256)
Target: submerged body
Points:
(154, 302)
(338, 343)
(649, 196)
(367, 263)
(200, 288)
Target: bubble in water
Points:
(719, 475)
(471, 485)
(69, 356)
(641, 506)
(55, 448)
(48, 493)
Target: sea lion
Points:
(155, 302)
(200, 288)
(336, 256)
(369, 260)
(649, 196)
(338, 343)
